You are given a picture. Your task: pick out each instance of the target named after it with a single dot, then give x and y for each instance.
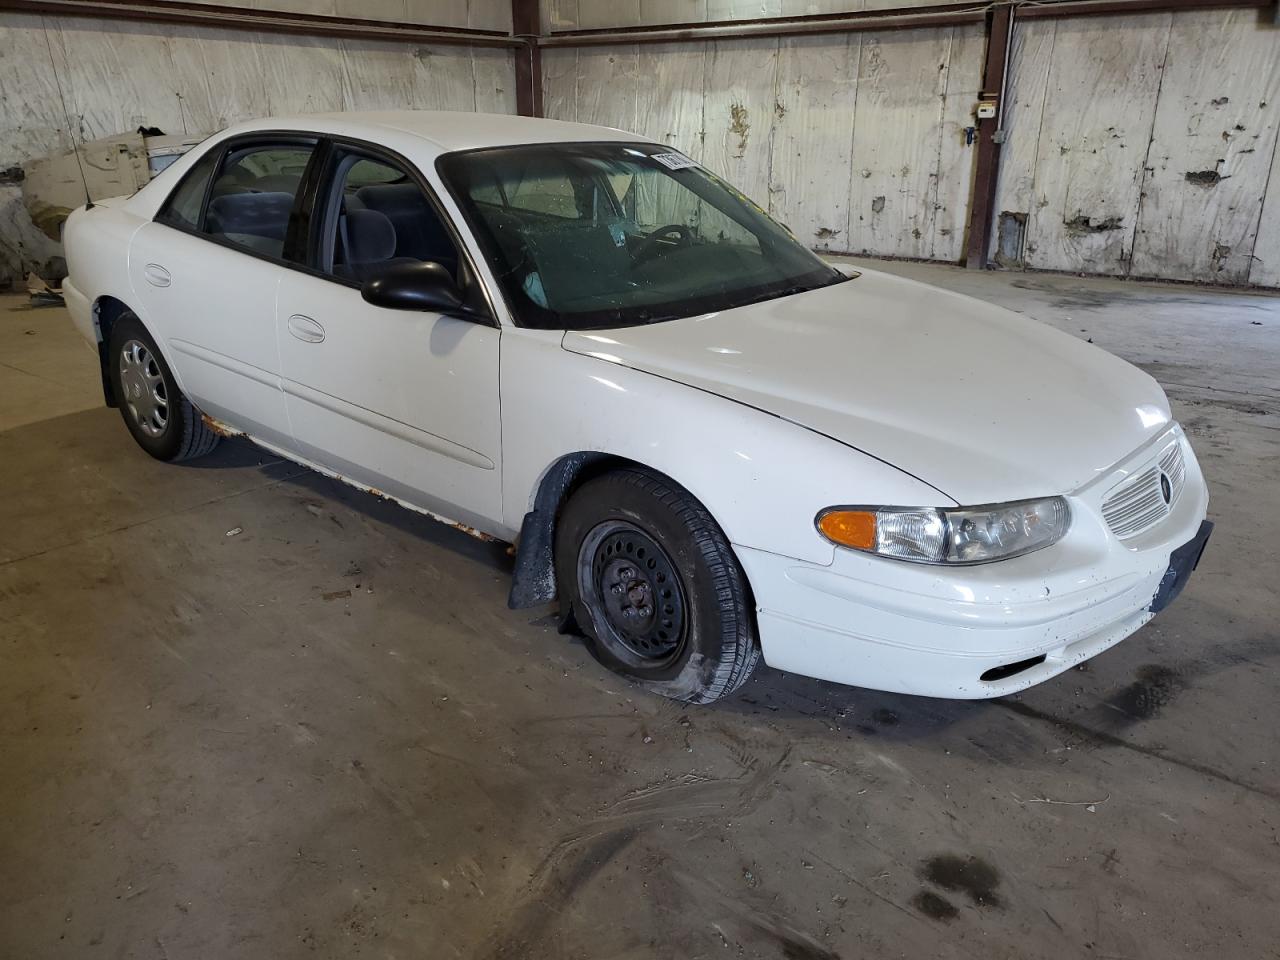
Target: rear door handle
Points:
(305, 329)
(157, 275)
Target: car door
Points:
(402, 401)
(206, 272)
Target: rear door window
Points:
(254, 194)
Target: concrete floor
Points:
(327, 735)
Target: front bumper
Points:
(979, 631)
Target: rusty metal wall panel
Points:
(898, 181)
(1143, 146)
(605, 14)
(1091, 140)
(1023, 109)
(739, 111)
(1266, 249)
(670, 105)
(32, 122)
(608, 85)
(480, 14)
(494, 77)
(817, 90)
(1105, 119)
(857, 142)
(957, 152)
(118, 75)
(1211, 149)
(560, 84)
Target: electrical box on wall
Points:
(986, 110)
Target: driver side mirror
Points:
(420, 285)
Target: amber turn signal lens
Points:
(849, 528)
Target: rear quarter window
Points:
(183, 207)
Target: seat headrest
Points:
(371, 237)
(278, 183)
(392, 196)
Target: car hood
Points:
(982, 403)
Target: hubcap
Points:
(142, 386)
(633, 587)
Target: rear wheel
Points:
(655, 587)
(161, 419)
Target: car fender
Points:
(763, 479)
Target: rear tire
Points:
(161, 419)
(654, 586)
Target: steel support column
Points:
(527, 26)
(990, 137)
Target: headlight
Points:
(941, 535)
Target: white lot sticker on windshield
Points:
(674, 161)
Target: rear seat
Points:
(255, 220)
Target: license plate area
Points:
(1181, 562)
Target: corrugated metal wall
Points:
(479, 14)
(1143, 146)
(855, 141)
(596, 14)
(116, 76)
(1136, 145)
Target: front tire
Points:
(653, 584)
(161, 419)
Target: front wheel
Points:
(161, 419)
(655, 587)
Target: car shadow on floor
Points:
(1100, 704)
(786, 697)
(855, 710)
(240, 453)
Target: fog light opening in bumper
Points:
(1008, 670)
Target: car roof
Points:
(445, 130)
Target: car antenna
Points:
(66, 115)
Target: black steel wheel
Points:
(652, 583)
(624, 573)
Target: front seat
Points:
(366, 245)
(419, 232)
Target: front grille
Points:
(1139, 503)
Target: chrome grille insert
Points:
(1139, 503)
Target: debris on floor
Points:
(41, 294)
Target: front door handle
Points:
(157, 275)
(305, 329)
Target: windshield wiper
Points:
(791, 290)
(771, 295)
(646, 317)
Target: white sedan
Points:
(706, 442)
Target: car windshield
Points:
(595, 235)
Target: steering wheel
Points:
(653, 244)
